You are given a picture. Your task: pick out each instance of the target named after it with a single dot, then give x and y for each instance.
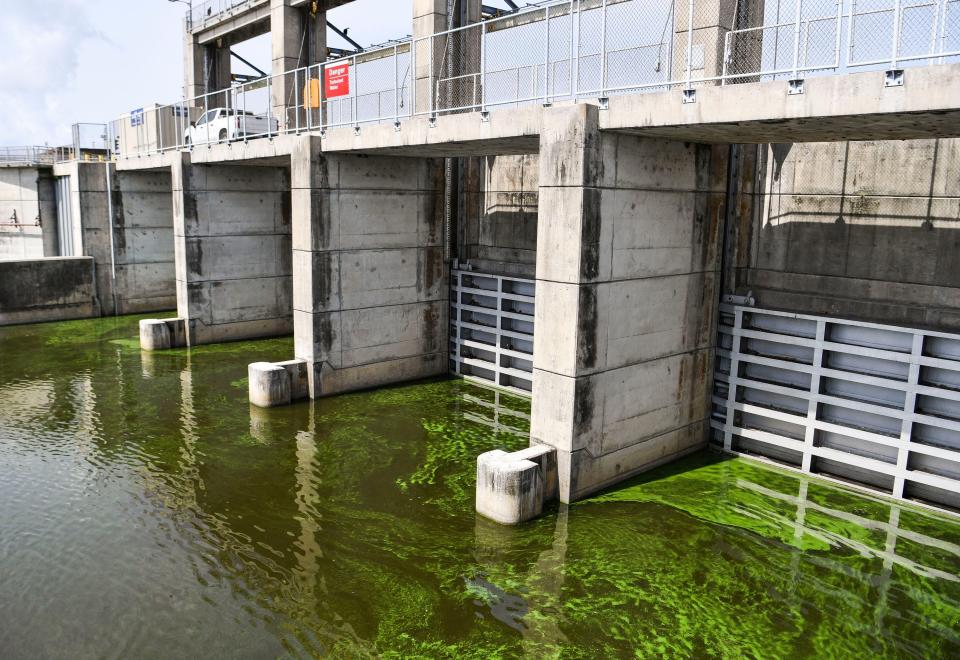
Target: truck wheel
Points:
(223, 135)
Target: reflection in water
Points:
(148, 510)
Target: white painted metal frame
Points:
(491, 329)
(871, 403)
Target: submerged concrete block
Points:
(278, 383)
(512, 487)
(161, 334)
(154, 335)
(269, 384)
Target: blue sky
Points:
(66, 61)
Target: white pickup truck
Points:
(223, 124)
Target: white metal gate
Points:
(491, 329)
(875, 404)
(64, 217)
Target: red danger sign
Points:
(337, 80)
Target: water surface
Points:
(146, 510)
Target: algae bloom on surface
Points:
(147, 510)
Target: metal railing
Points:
(32, 155)
(566, 50)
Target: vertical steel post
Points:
(483, 68)
(796, 39)
(572, 47)
(546, 59)
(159, 117)
(603, 48)
(270, 105)
(575, 55)
(690, 42)
(396, 85)
(850, 31)
(837, 46)
(897, 19)
(296, 103)
(673, 40)
(433, 85)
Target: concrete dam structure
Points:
(718, 239)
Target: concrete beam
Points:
(853, 106)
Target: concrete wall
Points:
(627, 288)
(47, 289)
(500, 214)
(371, 292)
(233, 263)
(143, 242)
(28, 227)
(861, 230)
(133, 248)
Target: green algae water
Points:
(147, 511)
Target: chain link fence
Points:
(564, 50)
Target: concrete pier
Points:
(627, 271)
(370, 288)
(232, 236)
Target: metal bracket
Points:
(893, 78)
(485, 116)
(689, 96)
(604, 102)
(323, 133)
(432, 121)
(356, 130)
(795, 86)
(396, 126)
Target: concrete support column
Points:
(206, 69)
(431, 17)
(712, 20)
(299, 39)
(627, 275)
(232, 239)
(370, 287)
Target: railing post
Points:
(897, 19)
(355, 92)
(572, 47)
(726, 57)
(434, 85)
(690, 42)
(943, 29)
(575, 54)
(546, 59)
(603, 48)
(296, 102)
(396, 85)
(796, 39)
(483, 68)
(673, 41)
(270, 106)
(837, 46)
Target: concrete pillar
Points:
(370, 286)
(206, 69)
(712, 20)
(232, 241)
(627, 272)
(431, 17)
(299, 39)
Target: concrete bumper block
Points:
(512, 487)
(160, 334)
(277, 383)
